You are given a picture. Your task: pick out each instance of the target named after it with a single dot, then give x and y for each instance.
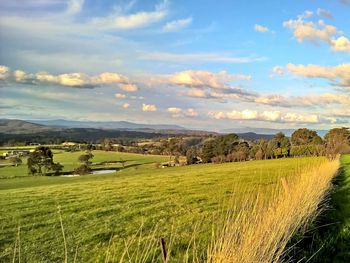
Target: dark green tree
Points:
(337, 142)
(40, 162)
(85, 166)
(305, 136)
(191, 156)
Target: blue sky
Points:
(200, 64)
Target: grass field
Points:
(329, 238)
(70, 161)
(100, 213)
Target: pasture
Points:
(102, 217)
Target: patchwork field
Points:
(103, 217)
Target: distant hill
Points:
(250, 136)
(22, 127)
(267, 131)
(26, 131)
(106, 125)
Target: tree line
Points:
(209, 149)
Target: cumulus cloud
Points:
(174, 110)
(318, 32)
(132, 21)
(270, 116)
(338, 75)
(298, 118)
(75, 80)
(177, 24)
(341, 44)
(128, 87)
(4, 71)
(120, 96)
(260, 28)
(320, 100)
(205, 84)
(178, 112)
(220, 80)
(148, 107)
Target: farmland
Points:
(101, 215)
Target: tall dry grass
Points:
(257, 230)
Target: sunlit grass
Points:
(104, 214)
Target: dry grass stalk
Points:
(256, 231)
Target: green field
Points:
(70, 161)
(101, 212)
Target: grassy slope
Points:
(329, 237)
(70, 161)
(98, 207)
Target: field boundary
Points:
(328, 237)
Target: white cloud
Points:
(278, 70)
(74, 6)
(132, 21)
(4, 71)
(304, 30)
(339, 75)
(269, 116)
(191, 113)
(174, 110)
(120, 96)
(298, 118)
(76, 79)
(197, 57)
(235, 115)
(341, 44)
(177, 24)
(128, 87)
(178, 112)
(220, 80)
(195, 93)
(148, 107)
(260, 28)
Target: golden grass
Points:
(257, 230)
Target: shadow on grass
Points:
(328, 239)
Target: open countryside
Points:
(166, 131)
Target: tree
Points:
(208, 151)
(40, 162)
(337, 142)
(225, 144)
(107, 145)
(15, 160)
(305, 136)
(280, 145)
(191, 156)
(85, 166)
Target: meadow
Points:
(103, 218)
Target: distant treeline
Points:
(81, 135)
(231, 148)
(200, 148)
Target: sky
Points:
(209, 65)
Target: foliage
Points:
(85, 166)
(304, 137)
(40, 162)
(15, 160)
(337, 142)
